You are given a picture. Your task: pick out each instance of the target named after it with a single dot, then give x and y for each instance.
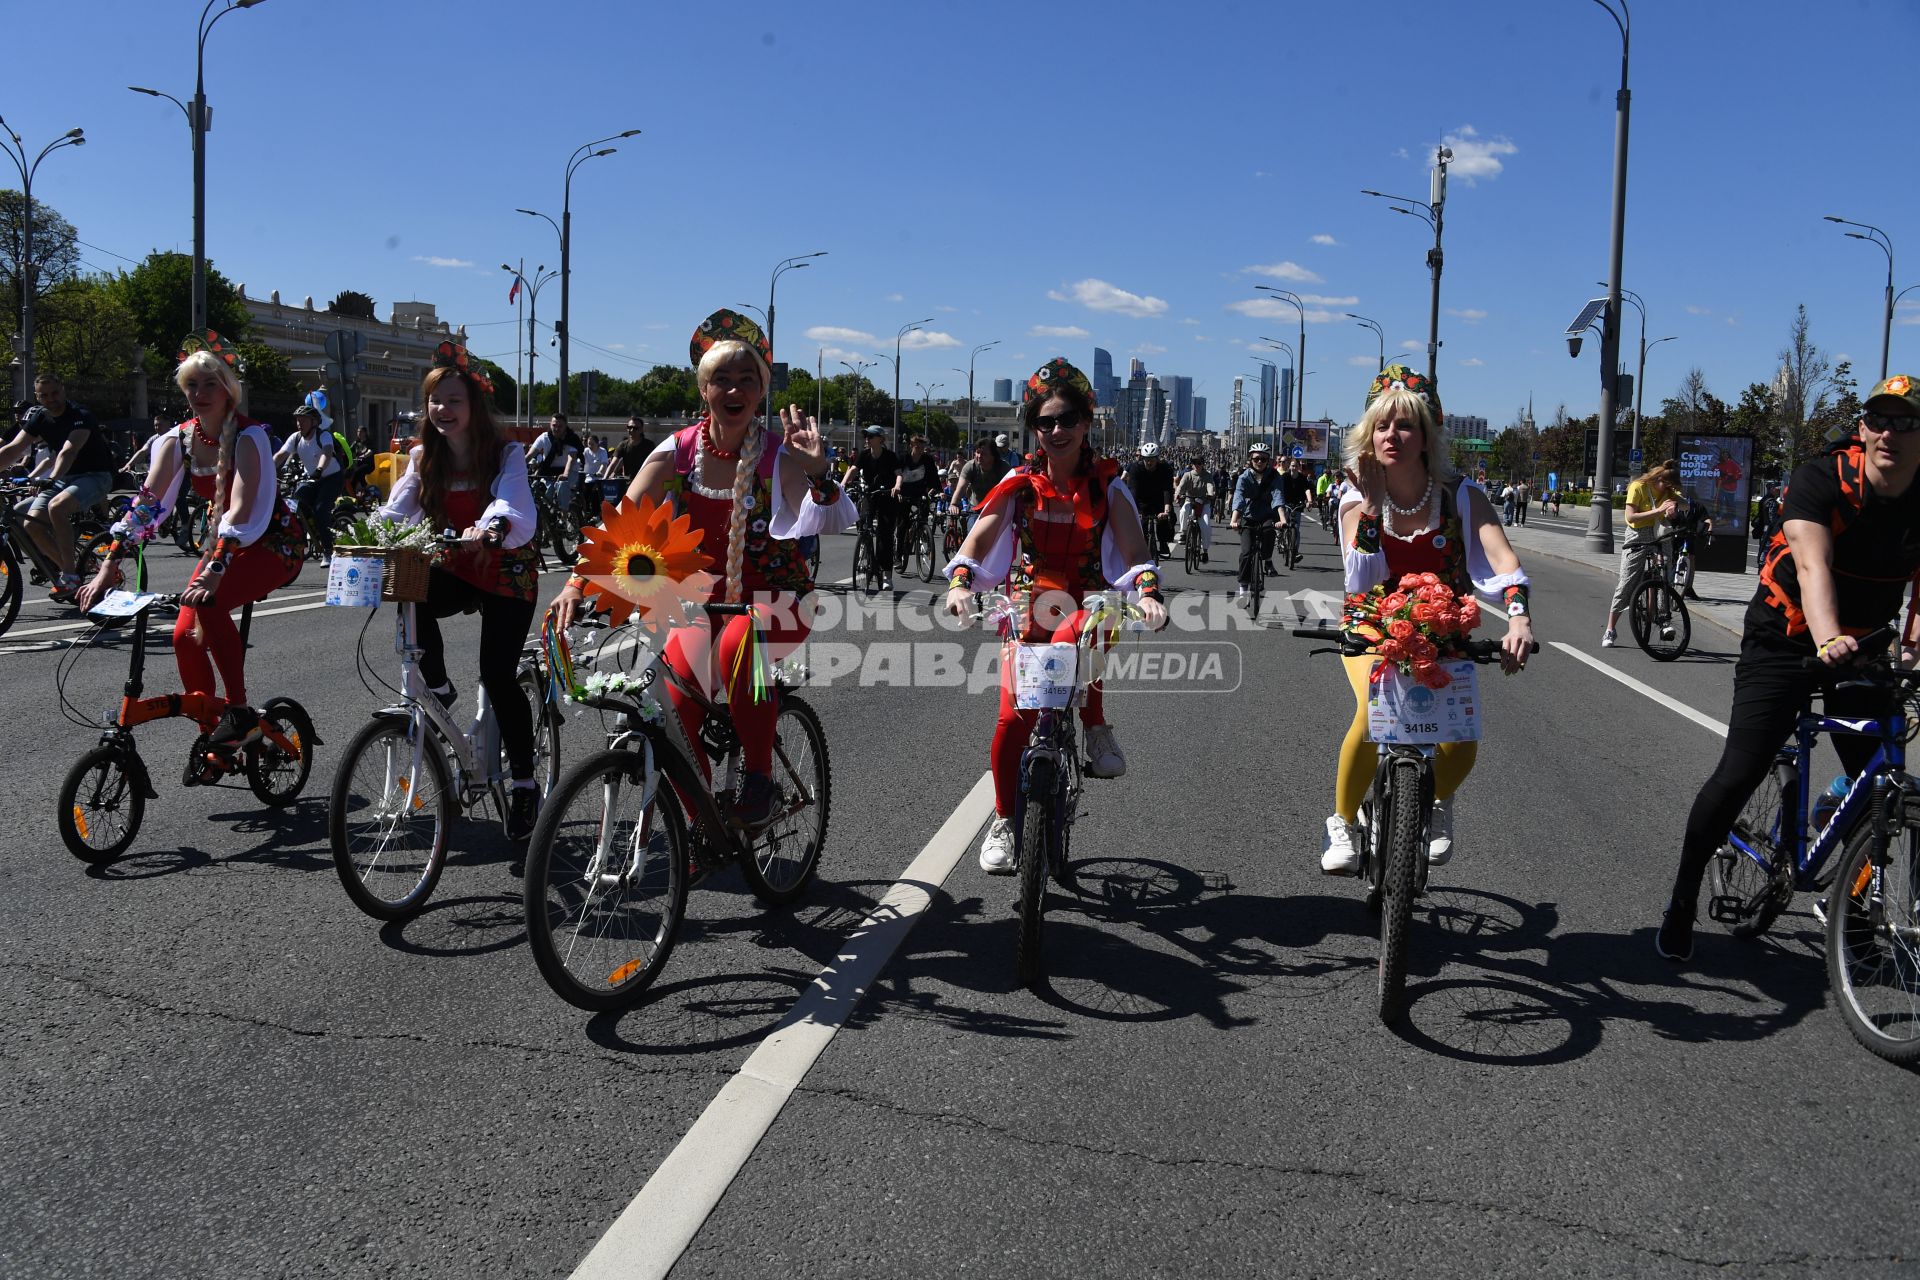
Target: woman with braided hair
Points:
(258, 543)
(751, 495)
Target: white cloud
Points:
(834, 333)
(1474, 156)
(1323, 239)
(1369, 362)
(1733, 321)
(1907, 319)
(1399, 153)
(1317, 300)
(1283, 271)
(1698, 311)
(1261, 173)
(841, 353)
(896, 297)
(1279, 309)
(944, 308)
(1058, 331)
(927, 340)
(433, 261)
(1201, 337)
(1188, 320)
(1098, 295)
(1472, 362)
(1408, 345)
(1148, 349)
(616, 346)
(1469, 314)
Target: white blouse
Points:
(512, 496)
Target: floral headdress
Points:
(728, 325)
(451, 355)
(219, 347)
(1054, 374)
(1398, 377)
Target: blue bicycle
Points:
(1872, 903)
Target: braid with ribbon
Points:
(745, 471)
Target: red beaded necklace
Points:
(200, 434)
(715, 451)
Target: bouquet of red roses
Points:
(1413, 626)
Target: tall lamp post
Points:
(1875, 236)
(1432, 212)
(784, 266)
(581, 154)
(1640, 373)
(1379, 333)
(1300, 362)
(905, 329)
(926, 406)
(541, 277)
(974, 355)
(1600, 513)
(201, 121)
(29, 269)
(859, 372)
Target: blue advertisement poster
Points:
(1716, 473)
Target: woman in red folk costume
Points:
(258, 543)
(1055, 529)
(751, 495)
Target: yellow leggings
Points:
(1453, 761)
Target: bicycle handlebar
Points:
(1483, 652)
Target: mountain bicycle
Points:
(631, 828)
(1656, 614)
(103, 799)
(867, 569)
(1190, 534)
(558, 528)
(953, 525)
(403, 774)
(1287, 543)
(1396, 816)
(913, 540)
(21, 558)
(1779, 846)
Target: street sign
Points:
(1637, 457)
(1299, 451)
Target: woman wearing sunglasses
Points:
(1055, 529)
(1847, 549)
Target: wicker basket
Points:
(407, 573)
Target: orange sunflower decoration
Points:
(644, 558)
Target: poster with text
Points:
(1304, 442)
(1716, 472)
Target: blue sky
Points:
(1055, 176)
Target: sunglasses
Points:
(1059, 422)
(1898, 423)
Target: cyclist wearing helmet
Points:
(1151, 481)
(1256, 510)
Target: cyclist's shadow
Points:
(294, 839)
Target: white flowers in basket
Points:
(602, 683)
(379, 531)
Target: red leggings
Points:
(251, 576)
(1015, 726)
(691, 652)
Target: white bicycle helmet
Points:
(1149, 450)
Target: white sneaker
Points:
(1339, 856)
(1440, 833)
(996, 851)
(1103, 753)
(1607, 639)
(1666, 633)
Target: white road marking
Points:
(1700, 718)
(651, 1233)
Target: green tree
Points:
(269, 373)
(159, 294)
(666, 391)
(505, 390)
(352, 303)
(55, 248)
(84, 334)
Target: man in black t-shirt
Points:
(633, 452)
(879, 467)
(1150, 480)
(76, 474)
(915, 483)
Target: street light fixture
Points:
(541, 277)
(974, 355)
(784, 266)
(1875, 236)
(926, 406)
(1600, 513)
(202, 121)
(1432, 212)
(1378, 332)
(1640, 373)
(1299, 377)
(858, 370)
(581, 154)
(1293, 365)
(29, 269)
(905, 329)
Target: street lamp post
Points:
(905, 329)
(859, 375)
(926, 407)
(541, 277)
(1300, 361)
(785, 265)
(1640, 372)
(29, 270)
(1875, 236)
(974, 355)
(1379, 333)
(1293, 365)
(581, 154)
(1433, 213)
(201, 122)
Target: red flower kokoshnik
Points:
(1413, 626)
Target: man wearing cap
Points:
(879, 467)
(977, 478)
(75, 473)
(323, 475)
(1847, 550)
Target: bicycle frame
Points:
(465, 749)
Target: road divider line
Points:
(651, 1233)
(1700, 718)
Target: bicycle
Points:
(103, 799)
(615, 852)
(1288, 541)
(913, 540)
(91, 543)
(867, 570)
(1190, 534)
(1656, 614)
(1052, 774)
(1779, 846)
(1256, 588)
(392, 804)
(954, 531)
(1395, 817)
(557, 528)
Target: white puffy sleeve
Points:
(512, 498)
(1364, 569)
(404, 502)
(814, 517)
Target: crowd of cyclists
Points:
(1054, 524)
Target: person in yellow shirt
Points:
(1652, 499)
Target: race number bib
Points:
(122, 604)
(1043, 675)
(1400, 709)
(354, 581)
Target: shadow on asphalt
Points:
(471, 926)
(294, 838)
(701, 1015)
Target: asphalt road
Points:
(217, 1067)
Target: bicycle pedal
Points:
(1727, 909)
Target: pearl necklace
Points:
(1426, 503)
(1416, 508)
(697, 479)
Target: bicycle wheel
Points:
(1036, 831)
(930, 565)
(10, 585)
(787, 853)
(561, 536)
(388, 821)
(1873, 940)
(950, 546)
(100, 806)
(1190, 543)
(276, 777)
(606, 881)
(1659, 620)
(866, 572)
(546, 731)
(1401, 850)
(1761, 891)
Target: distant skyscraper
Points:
(1179, 398)
(1199, 422)
(1003, 390)
(1286, 394)
(1105, 386)
(1268, 395)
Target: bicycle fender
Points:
(272, 703)
(137, 770)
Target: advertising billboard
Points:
(1304, 442)
(1716, 472)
